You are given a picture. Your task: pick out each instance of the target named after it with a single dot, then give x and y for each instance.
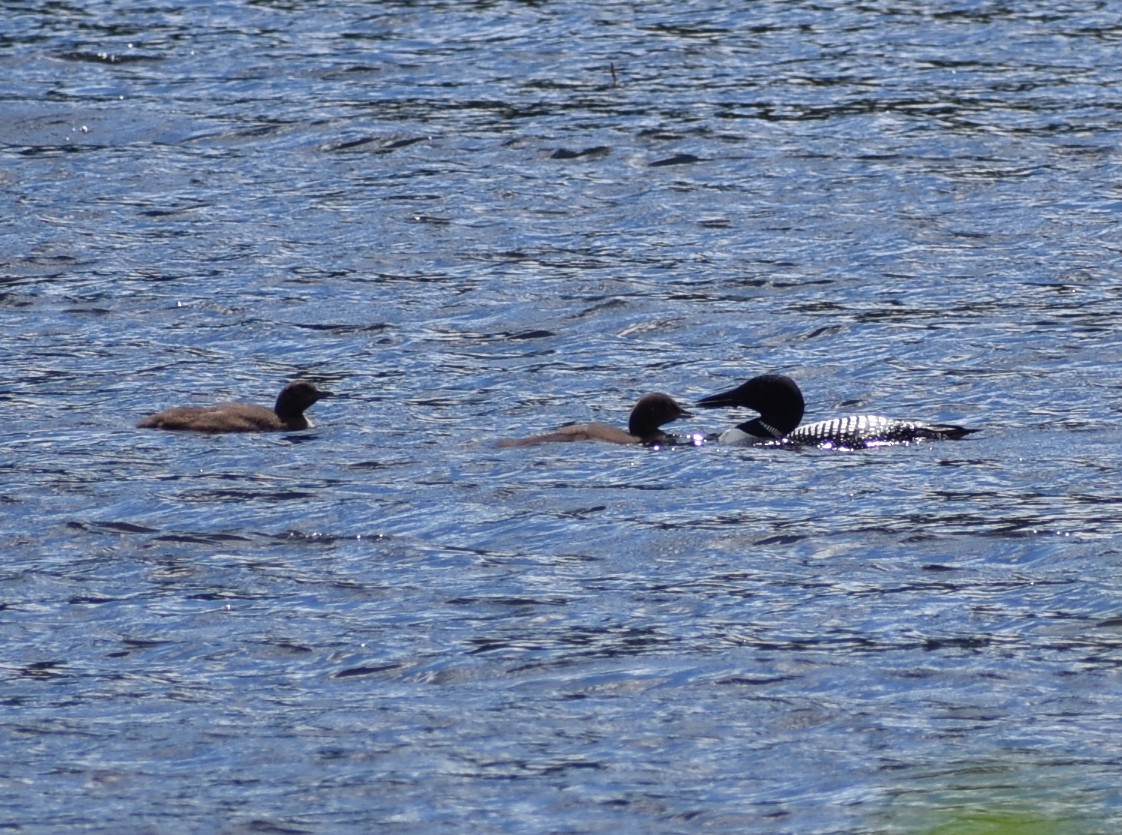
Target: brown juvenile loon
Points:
(781, 405)
(286, 416)
(643, 427)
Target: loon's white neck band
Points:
(775, 433)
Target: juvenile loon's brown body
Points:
(643, 427)
(286, 416)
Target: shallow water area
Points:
(484, 222)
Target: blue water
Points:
(486, 220)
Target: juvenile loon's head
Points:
(774, 396)
(651, 412)
(296, 397)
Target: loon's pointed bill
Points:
(732, 397)
(780, 403)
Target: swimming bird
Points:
(781, 405)
(643, 427)
(286, 416)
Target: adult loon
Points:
(780, 404)
(286, 416)
(643, 427)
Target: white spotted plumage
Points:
(858, 431)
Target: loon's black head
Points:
(651, 412)
(774, 396)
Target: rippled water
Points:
(481, 221)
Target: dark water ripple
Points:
(484, 221)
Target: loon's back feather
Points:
(863, 431)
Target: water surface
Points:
(484, 221)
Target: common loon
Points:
(286, 415)
(643, 427)
(780, 404)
